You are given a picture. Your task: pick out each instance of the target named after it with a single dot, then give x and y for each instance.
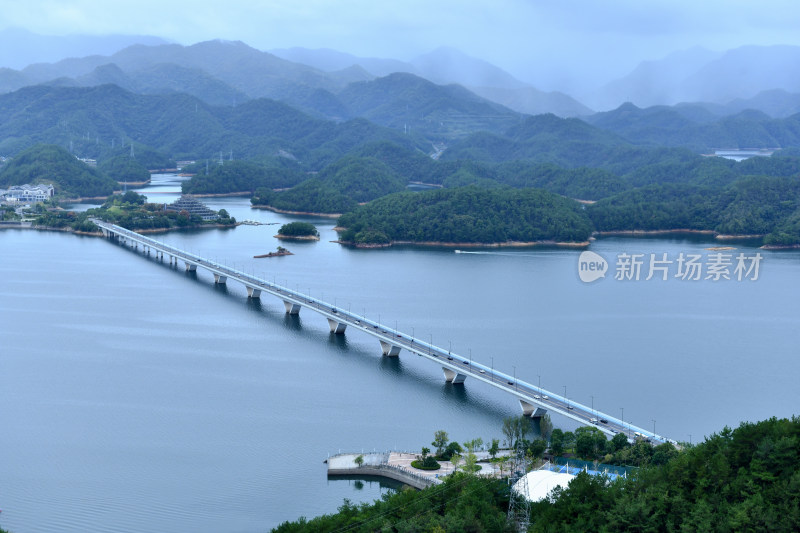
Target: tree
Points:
(455, 459)
(510, 430)
(536, 448)
(619, 442)
(545, 426)
(590, 442)
(557, 442)
(470, 460)
(359, 461)
(494, 448)
(450, 450)
(440, 440)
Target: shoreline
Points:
(297, 237)
(636, 232)
(218, 194)
(134, 183)
(304, 213)
(273, 254)
(507, 244)
(679, 231)
(31, 226)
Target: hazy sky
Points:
(536, 40)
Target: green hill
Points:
(403, 101)
(752, 205)
(240, 176)
(124, 168)
(468, 215)
(673, 126)
(362, 178)
(98, 119)
(53, 164)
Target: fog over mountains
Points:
(20, 48)
(764, 78)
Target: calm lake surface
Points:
(134, 396)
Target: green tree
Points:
(494, 448)
(359, 461)
(537, 448)
(618, 442)
(545, 426)
(557, 442)
(440, 440)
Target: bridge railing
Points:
(521, 387)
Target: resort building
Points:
(27, 193)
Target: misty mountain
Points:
(446, 66)
(403, 101)
(328, 60)
(11, 80)
(20, 48)
(532, 101)
(652, 82)
(245, 69)
(163, 78)
(675, 126)
(94, 120)
(542, 138)
(442, 66)
(743, 73)
(698, 75)
(776, 103)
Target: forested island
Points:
(298, 231)
(736, 480)
(467, 215)
(130, 211)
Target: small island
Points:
(299, 231)
(278, 253)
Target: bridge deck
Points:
(530, 396)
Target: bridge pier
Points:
(253, 293)
(451, 376)
(390, 349)
(533, 411)
(291, 308)
(337, 327)
(190, 267)
(220, 279)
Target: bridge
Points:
(533, 399)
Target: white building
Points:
(28, 193)
(538, 484)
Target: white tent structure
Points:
(539, 483)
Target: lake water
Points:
(134, 396)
